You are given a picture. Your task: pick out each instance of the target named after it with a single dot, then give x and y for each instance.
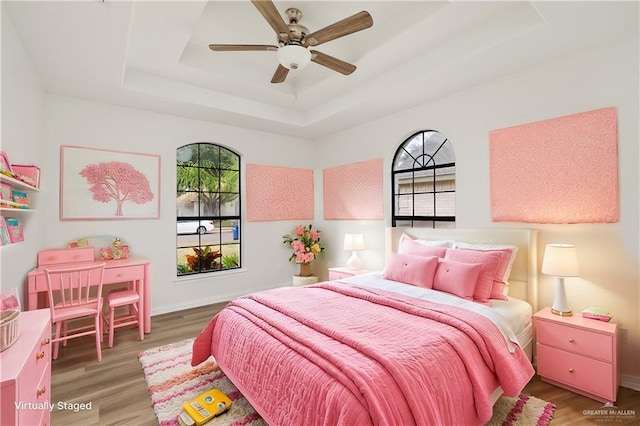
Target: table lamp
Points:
(560, 260)
(353, 242)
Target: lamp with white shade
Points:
(560, 260)
(354, 242)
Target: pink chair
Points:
(121, 298)
(71, 297)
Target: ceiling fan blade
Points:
(241, 47)
(332, 63)
(272, 16)
(358, 22)
(280, 74)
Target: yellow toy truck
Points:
(203, 408)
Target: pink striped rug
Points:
(522, 410)
(172, 381)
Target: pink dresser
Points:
(25, 373)
(578, 354)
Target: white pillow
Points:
(489, 247)
(432, 243)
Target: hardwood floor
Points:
(118, 393)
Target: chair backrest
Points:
(73, 285)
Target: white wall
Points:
(22, 112)
(608, 253)
(71, 121)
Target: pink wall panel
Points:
(354, 191)
(562, 170)
(279, 193)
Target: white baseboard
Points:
(159, 310)
(166, 309)
(629, 381)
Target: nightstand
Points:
(343, 272)
(578, 354)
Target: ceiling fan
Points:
(294, 40)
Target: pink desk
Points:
(134, 269)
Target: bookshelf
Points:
(10, 208)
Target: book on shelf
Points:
(13, 205)
(6, 191)
(5, 239)
(20, 197)
(15, 230)
(27, 173)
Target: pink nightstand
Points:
(578, 354)
(338, 273)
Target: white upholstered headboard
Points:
(524, 273)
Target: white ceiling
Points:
(154, 54)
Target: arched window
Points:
(207, 209)
(424, 182)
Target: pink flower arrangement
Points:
(305, 244)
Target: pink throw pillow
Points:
(502, 271)
(409, 269)
(489, 262)
(504, 261)
(457, 277)
(408, 246)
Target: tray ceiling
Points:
(154, 54)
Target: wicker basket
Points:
(9, 328)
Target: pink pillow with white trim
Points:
(502, 271)
(457, 277)
(501, 288)
(409, 246)
(489, 261)
(409, 269)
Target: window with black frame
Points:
(208, 235)
(424, 182)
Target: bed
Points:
(387, 347)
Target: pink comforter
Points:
(335, 354)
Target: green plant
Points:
(183, 269)
(231, 260)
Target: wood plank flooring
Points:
(117, 391)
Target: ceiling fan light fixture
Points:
(294, 57)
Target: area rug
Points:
(172, 382)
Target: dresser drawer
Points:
(35, 367)
(589, 375)
(576, 340)
(127, 273)
(39, 394)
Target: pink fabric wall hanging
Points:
(279, 193)
(562, 170)
(354, 191)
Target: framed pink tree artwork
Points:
(103, 184)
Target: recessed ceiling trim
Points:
(155, 85)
